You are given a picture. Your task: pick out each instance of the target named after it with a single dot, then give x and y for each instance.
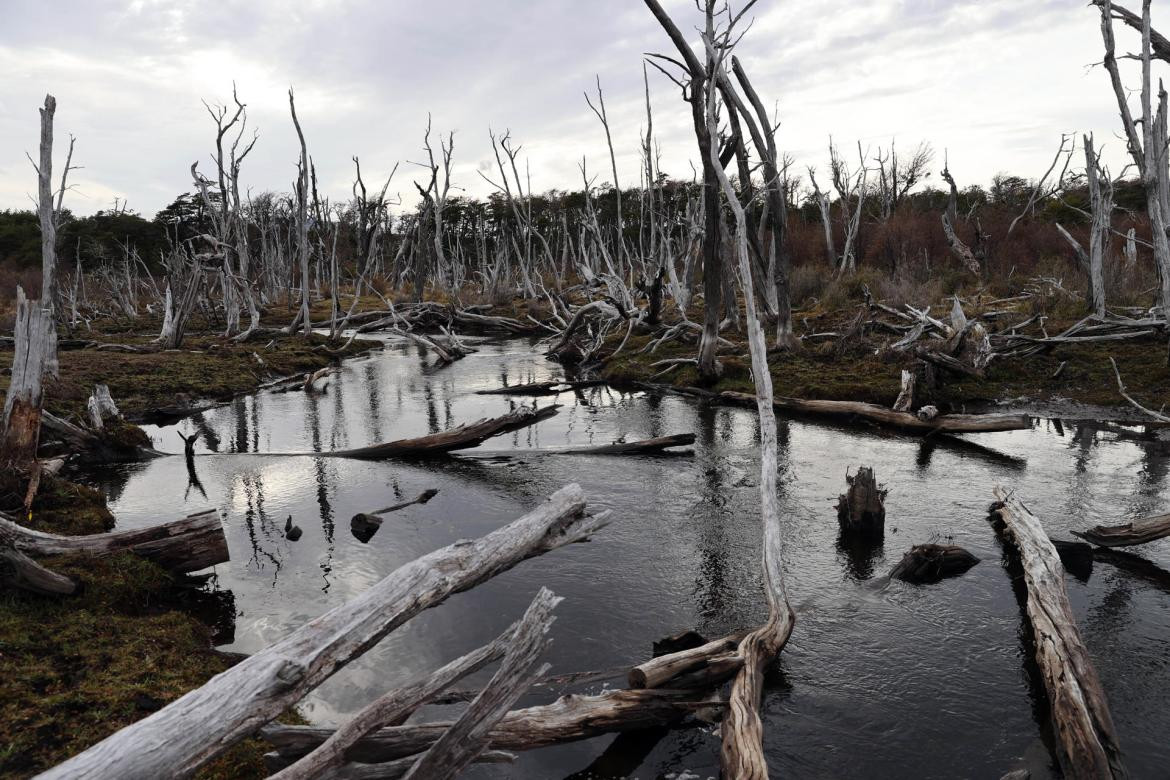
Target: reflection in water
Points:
(898, 680)
(861, 551)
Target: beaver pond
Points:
(879, 679)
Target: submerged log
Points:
(862, 507)
(569, 719)
(460, 438)
(365, 524)
(954, 423)
(1086, 743)
(926, 563)
(179, 738)
(182, 546)
(1138, 532)
(552, 387)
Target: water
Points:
(879, 679)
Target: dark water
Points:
(879, 680)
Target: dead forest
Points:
(872, 290)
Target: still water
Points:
(879, 680)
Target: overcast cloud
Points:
(995, 82)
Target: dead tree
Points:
(742, 729)
(1147, 147)
(965, 255)
(1100, 228)
(302, 220)
(897, 176)
(694, 89)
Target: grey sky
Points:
(993, 81)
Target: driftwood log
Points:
(862, 507)
(463, 437)
(925, 563)
(182, 546)
(953, 423)
(176, 740)
(658, 671)
(1086, 743)
(393, 708)
(1138, 532)
(569, 719)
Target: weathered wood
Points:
(392, 770)
(925, 563)
(862, 507)
(953, 423)
(658, 445)
(551, 387)
(463, 437)
(570, 718)
(658, 671)
(101, 407)
(186, 545)
(905, 400)
(470, 734)
(394, 707)
(17, 570)
(1086, 743)
(35, 356)
(179, 738)
(1137, 532)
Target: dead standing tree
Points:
(694, 89)
(742, 730)
(1100, 227)
(35, 336)
(302, 223)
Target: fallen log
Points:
(1138, 532)
(182, 546)
(658, 671)
(176, 740)
(392, 770)
(393, 708)
(551, 387)
(463, 437)
(19, 571)
(570, 718)
(469, 735)
(1086, 743)
(953, 423)
(927, 563)
(365, 524)
(657, 445)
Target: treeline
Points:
(908, 238)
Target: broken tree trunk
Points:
(178, 739)
(35, 356)
(17, 570)
(953, 423)
(182, 546)
(460, 438)
(905, 400)
(862, 507)
(101, 407)
(394, 707)
(1137, 532)
(926, 563)
(1086, 744)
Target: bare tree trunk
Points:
(302, 217)
(35, 356)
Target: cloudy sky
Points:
(995, 82)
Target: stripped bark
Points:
(471, 733)
(178, 739)
(1086, 743)
(393, 708)
(35, 357)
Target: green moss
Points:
(64, 507)
(75, 670)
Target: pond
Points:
(880, 679)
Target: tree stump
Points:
(927, 563)
(862, 508)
